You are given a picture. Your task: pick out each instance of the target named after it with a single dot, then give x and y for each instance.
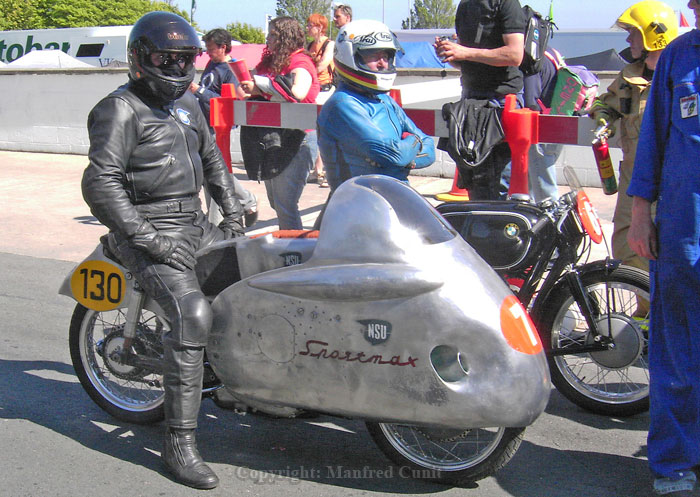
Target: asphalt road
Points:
(56, 442)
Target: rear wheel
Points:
(447, 456)
(129, 392)
(612, 382)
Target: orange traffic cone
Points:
(456, 194)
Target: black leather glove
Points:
(232, 227)
(163, 248)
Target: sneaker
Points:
(322, 181)
(681, 487)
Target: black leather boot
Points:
(182, 459)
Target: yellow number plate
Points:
(98, 285)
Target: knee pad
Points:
(196, 319)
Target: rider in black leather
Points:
(150, 152)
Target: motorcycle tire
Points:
(129, 393)
(446, 456)
(611, 382)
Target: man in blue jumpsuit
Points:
(667, 170)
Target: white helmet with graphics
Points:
(364, 37)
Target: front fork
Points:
(133, 313)
(572, 277)
(126, 356)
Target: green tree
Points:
(18, 14)
(302, 9)
(45, 14)
(245, 33)
(431, 14)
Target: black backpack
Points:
(474, 129)
(537, 34)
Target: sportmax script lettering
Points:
(317, 349)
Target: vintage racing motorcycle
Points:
(387, 316)
(594, 333)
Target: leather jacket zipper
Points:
(391, 120)
(179, 126)
(163, 174)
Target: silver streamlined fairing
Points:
(393, 318)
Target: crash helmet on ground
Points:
(162, 48)
(656, 21)
(363, 37)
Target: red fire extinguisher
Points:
(604, 162)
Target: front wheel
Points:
(131, 392)
(447, 456)
(613, 382)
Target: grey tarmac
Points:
(57, 442)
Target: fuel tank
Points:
(500, 231)
(393, 318)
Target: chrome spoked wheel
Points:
(614, 381)
(447, 455)
(129, 391)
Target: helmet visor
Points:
(164, 59)
(376, 60)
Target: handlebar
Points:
(539, 225)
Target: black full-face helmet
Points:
(162, 48)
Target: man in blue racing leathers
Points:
(361, 129)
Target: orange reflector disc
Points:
(518, 328)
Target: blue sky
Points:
(569, 14)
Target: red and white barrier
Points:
(551, 129)
(523, 127)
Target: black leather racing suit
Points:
(147, 164)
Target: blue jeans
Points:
(491, 179)
(245, 197)
(284, 190)
(542, 173)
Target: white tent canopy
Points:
(46, 59)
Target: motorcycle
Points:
(384, 315)
(587, 314)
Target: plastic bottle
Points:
(605, 166)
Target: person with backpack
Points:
(651, 26)
(488, 52)
(538, 90)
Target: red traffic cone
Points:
(456, 194)
(395, 93)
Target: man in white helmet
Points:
(361, 129)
